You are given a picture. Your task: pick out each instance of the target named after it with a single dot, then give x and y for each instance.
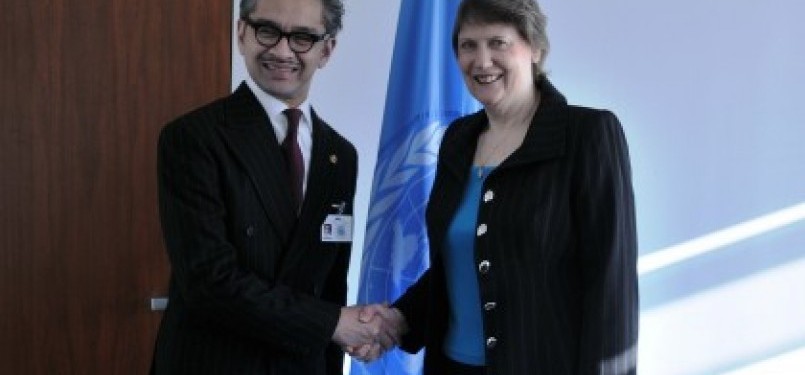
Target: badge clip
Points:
(340, 207)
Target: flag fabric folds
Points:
(425, 93)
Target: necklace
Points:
(485, 158)
(509, 134)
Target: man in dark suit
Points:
(247, 185)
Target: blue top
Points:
(465, 331)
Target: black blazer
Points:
(555, 248)
(253, 289)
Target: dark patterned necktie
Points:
(293, 155)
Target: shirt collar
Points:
(274, 108)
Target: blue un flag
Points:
(425, 93)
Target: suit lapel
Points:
(457, 155)
(547, 133)
(323, 160)
(252, 141)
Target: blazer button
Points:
(250, 231)
(489, 306)
(488, 196)
(481, 230)
(484, 266)
(491, 342)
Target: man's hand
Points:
(392, 326)
(368, 339)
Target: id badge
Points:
(337, 228)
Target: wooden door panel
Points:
(84, 89)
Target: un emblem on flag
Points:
(396, 238)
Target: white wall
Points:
(710, 96)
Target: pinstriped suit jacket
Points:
(253, 289)
(559, 295)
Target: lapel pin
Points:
(333, 159)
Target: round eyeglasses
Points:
(269, 36)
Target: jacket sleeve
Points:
(604, 212)
(413, 305)
(216, 289)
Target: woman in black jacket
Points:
(530, 221)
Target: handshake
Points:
(366, 332)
